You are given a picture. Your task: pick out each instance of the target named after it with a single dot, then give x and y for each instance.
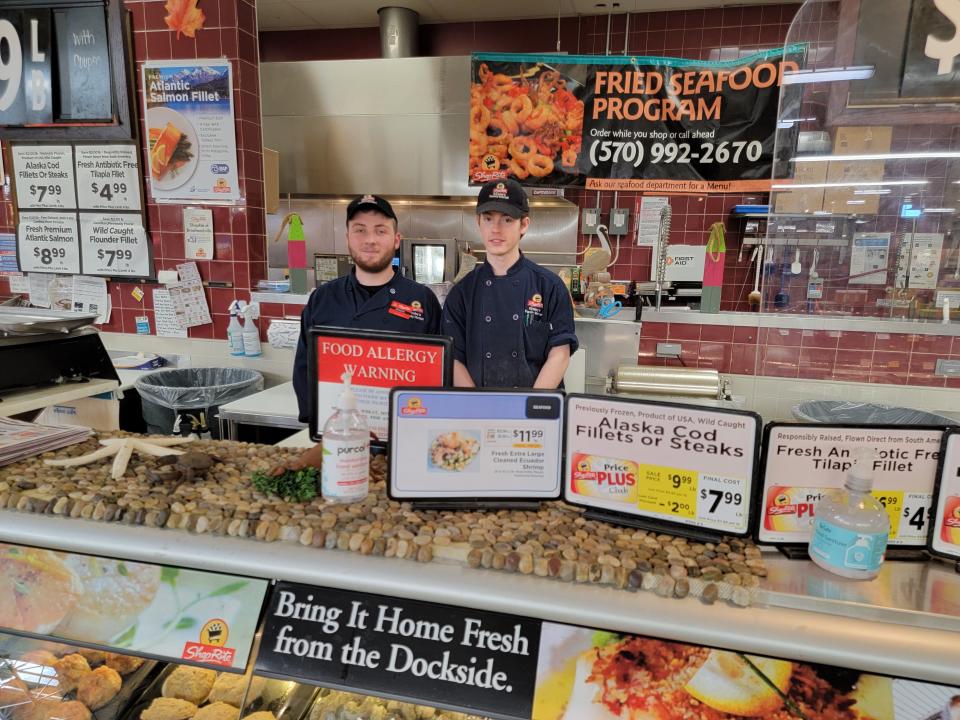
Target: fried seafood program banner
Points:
(627, 123)
(472, 660)
(165, 612)
(190, 130)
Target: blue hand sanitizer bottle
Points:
(850, 526)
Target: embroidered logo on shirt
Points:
(413, 311)
(534, 309)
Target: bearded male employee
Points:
(510, 319)
(373, 296)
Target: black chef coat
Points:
(503, 327)
(401, 305)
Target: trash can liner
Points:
(842, 412)
(190, 388)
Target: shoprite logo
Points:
(414, 406)
(215, 633)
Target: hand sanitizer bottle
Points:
(235, 331)
(850, 526)
(345, 472)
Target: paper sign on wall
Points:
(48, 242)
(44, 177)
(114, 244)
(649, 220)
(198, 233)
(869, 252)
(920, 256)
(802, 462)
(108, 177)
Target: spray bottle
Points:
(251, 333)
(235, 330)
(851, 527)
(345, 472)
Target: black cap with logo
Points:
(370, 202)
(506, 196)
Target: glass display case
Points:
(866, 186)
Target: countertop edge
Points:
(800, 635)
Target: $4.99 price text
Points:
(108, 190)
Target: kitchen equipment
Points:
(663, 242)
(796, 267)
(32, 358)
(429, 260)
(35, 321)
(608, 308)
(330, 266)
(674, 381)
(814, 281)
(755, 297)
(782, 298)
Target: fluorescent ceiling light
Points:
(866, 183)
(834, 74)
(879, 191)
(856, 202)
(939, 210)
(879, 156)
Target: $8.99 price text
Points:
(634, 152)
(48, 255)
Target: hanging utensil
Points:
(796, 267)
(782, 298)
(755, 297)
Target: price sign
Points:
(945, 538)
(804, 462)
(44, 177)
(663, 463)
(108, 177)
(114, 245)
(48, 242)
(465, 444)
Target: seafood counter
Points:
(197, 505)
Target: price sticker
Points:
(892, 501)
(44, 177)
(114, 245)
(914, 518)
(527, 438)
(48, 242)
(722, 500)
(108, 177)
(668, 491)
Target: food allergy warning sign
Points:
(472, 660)
(475, 444)
(378, 362)
(679, 464)
(802, 462)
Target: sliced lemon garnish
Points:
(727, 683)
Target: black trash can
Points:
(186, 401)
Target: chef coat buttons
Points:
(514, 353)
(516, 317)
(488, 318)
(489, 283)
(393, 291)
(489, 355)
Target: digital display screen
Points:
(475, 444)
(801, 463)
(945, 539)
(678, 464)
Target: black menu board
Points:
(84, 64)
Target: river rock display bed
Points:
(556, 541)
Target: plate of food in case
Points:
(51, 681)
(173, 148)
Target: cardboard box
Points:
(97, 413)
(849, 174)
(806, 200)
(271, 180)
(862, 140)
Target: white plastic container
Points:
(251, 333)
(850, 526)
(345, 473)
(235, 331)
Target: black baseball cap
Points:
(506, 196)
(370, 202)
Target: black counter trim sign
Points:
(793, 550)
(467, 660)
(646, 438)
(551, 409)
(941, 497)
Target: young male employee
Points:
(511, 320)
(372, 296)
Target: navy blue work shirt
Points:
(504, 326)
(401, 305)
